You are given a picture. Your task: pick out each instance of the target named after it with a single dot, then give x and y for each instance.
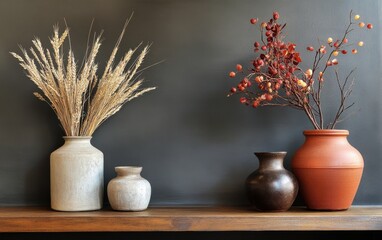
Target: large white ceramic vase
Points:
(76, 176)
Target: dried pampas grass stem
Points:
(81, 100)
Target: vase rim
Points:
(271, 154)
(275, 152)
(128, 167)
(326, 132)
(127, 170)
(77, 137)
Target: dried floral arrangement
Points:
(81, 99)
(275, 79)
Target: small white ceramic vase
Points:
(76, 176)
(129, 191)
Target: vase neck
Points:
(128, 171)
(271, 160)
(83, 140)
(327, 136)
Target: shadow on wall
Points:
(37, 153)
(236, 131)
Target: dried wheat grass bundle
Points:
(80, 98)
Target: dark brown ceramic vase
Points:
(271, 187)
(328, 169)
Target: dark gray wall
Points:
(195, 145)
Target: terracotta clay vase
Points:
(328, 169)
(271, 187)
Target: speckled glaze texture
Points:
(328, 169)
(271, 187)
(76, 176)
(129, 191)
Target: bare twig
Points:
(278, 80)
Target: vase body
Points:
(271, 187)
(129, 191)
(76, 176)
(328, 169)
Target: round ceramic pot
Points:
(328, 169)
(271, 187)
(129, 191)
(76, 176)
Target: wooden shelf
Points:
(36, 219)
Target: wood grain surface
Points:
(38, 219)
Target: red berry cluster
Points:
(275, 77)
(273, 68)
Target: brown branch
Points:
(343, 97)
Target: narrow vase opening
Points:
(326, 132)
(77, 137)
(128, 170)
(271, 154)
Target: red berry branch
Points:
(275, 78)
